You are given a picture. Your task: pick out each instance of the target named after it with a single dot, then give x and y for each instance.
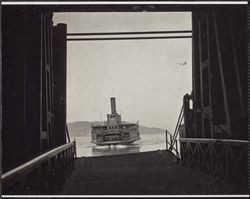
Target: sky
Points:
(144, 76)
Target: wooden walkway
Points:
(155, 172)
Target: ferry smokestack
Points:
(113, 108)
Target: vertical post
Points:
(1, 102)
(176, 147)
(171, 139)
(201, 80)
(74, 147)
(226, 148)
(166, 132)
(225, 96)
(60, 81)
(237, 73)
(196, 73)
(210, 75)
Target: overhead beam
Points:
(127, 38)
(128, 33)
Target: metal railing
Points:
(172, 144)
(220, 157)
(41, 175)
(177, 128)
(171, 140)
(226, 158)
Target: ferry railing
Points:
(220, 157)
(41, 175)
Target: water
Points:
(84, 147)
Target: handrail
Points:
(211, 140)
(169, 143)
(30, 165)
(180, 118)
(178, 121)
(67, 133)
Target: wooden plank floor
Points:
(155, 172)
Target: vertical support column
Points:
(33, 92)
(236, 66)
(210, 75)
(204, 75)
(47, 83)
(201, 80)
(196, 75)
(59, 63)
(225, 96)
(1, 101)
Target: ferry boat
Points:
(114, 131)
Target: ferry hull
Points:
(127, 142)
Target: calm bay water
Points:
(84, 147)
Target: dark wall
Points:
(21, 61)
(32, 88)
(219, 73)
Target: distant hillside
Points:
(83, 128)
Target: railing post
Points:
(166, 139)
(74, 147)
(227, 160)
(176, 147)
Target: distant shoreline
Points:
(83, 129)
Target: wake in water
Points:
(115, 149)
